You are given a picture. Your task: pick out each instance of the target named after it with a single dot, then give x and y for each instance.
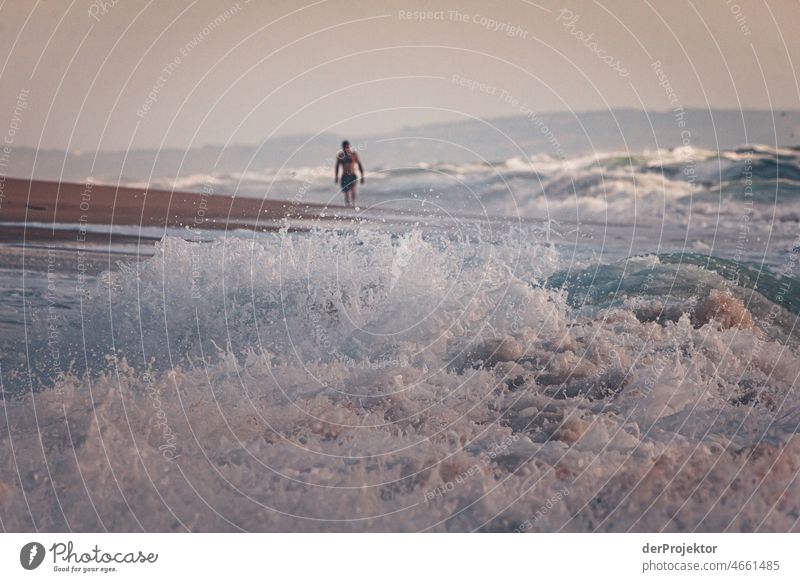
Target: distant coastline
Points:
(617, 130)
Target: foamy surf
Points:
(369, 381)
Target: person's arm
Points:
(360, 168)
(336, 172)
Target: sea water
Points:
(484, 376)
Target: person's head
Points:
(346, 146)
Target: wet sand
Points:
(32, 201)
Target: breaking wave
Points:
(662, 186)
(373, 381)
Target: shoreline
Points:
(26, 201)
(46, 211)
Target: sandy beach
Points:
(38, 202)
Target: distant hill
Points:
(557, 134)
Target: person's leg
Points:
(353, 196)
(347, 186)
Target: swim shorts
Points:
(348, 181)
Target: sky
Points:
(89, 75)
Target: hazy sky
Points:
(88, 75)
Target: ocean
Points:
(596, 343)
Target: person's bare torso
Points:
(348, 161)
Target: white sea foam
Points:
(371, 381)
(661, 187)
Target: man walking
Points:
(348, 160)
